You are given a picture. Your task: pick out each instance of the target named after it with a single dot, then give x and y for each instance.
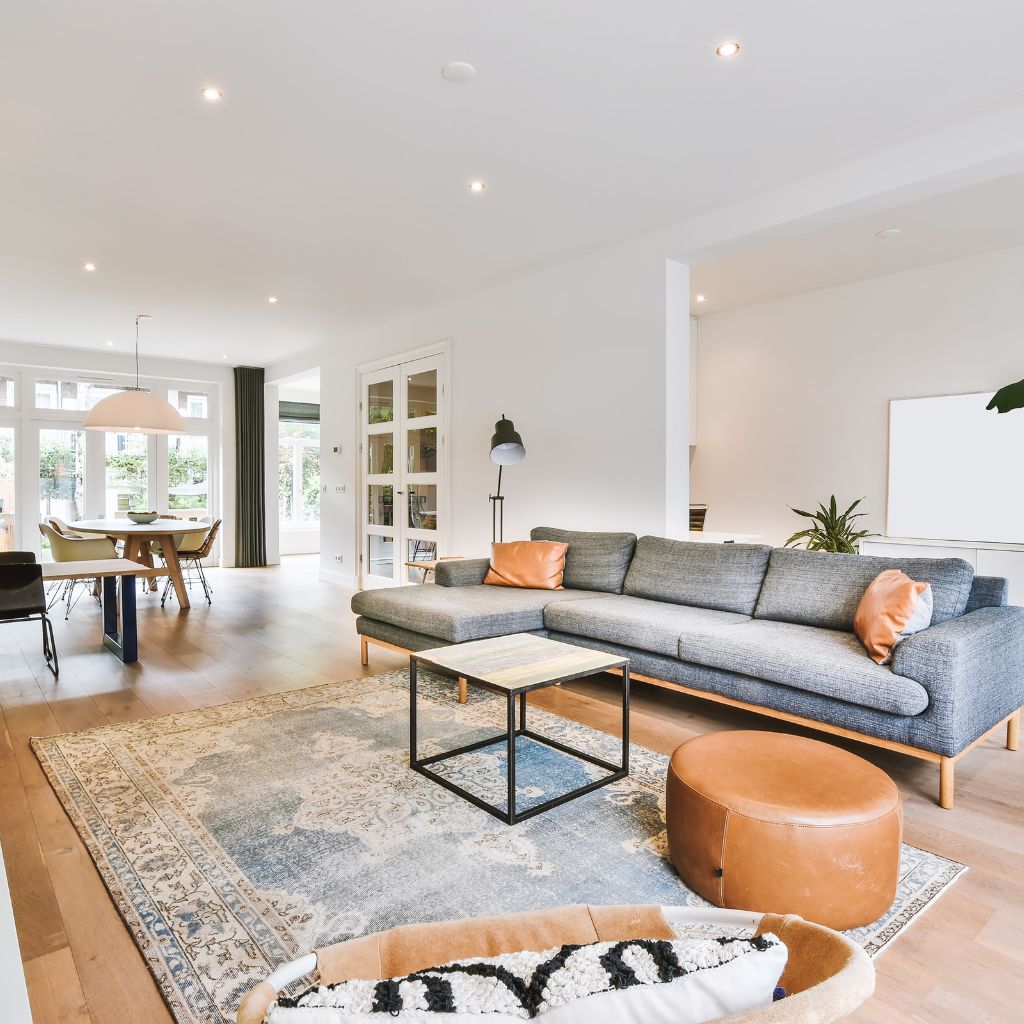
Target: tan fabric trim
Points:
(613, 924)
(254, 1006)
(354, 958)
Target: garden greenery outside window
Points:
(298, 474)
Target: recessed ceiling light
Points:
(476, 186)
(700, 298)
(729, 49)
(110, 343)
(212, 94)
(271, 299)
(224, 357)
(459, 72)
(889, 233)
(90, 267)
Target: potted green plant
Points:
(1008, 398)
(832, 530)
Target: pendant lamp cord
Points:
(137, 319)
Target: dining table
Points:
(137, 538)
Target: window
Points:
(7, 392)
(127, 473)
(61, 474)
(298, 474)
(191, 404)
(188, 475)
(7, 449)
(71, 395)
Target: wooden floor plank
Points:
(55, 995)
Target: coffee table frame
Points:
(509, 815)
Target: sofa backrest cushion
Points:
(723, 576)
(989, 592)
(819, 588)
(594, 561)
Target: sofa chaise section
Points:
(767, 630)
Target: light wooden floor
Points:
(276, 629)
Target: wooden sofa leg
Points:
(364, 651)
(1013, 731)
(947, 782)
(463, 691)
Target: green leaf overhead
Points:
(1009, 398)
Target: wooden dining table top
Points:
(126, 528)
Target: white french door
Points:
(403, 499)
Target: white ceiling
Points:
(954, 224)
(334, 172)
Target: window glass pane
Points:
(71, 395)
(423, 506)
(291, 428)
(286, 484)
(382, 556)
(188, 490)
(310, 456)
(422, 452)
(61, 475)
(422, 393)
(381, 404)
(420, 551)
(380, 453)
(191, 404)
(380, 511)
(127, 466)
(7, 396)
(7, 450)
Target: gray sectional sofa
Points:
(766, 629)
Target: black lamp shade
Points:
(506, 444)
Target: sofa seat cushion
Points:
(820, 588)
(457, 614)
(726, 577)
(594, 561)
(635, 622)
(823, 661)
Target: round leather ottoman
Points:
(780, 824)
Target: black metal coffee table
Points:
(512, 666)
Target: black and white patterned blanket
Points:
(524, 984)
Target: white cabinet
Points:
(988, 559)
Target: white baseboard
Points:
(339, 578)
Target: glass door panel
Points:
(127, 470)
(380, 457)
(421, 393)
(61, 476)
(188, 475)
(380, 401)
(7, 506)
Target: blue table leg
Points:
(125, 644)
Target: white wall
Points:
(792, 395)
(576, 356)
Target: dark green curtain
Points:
(299, 412)
(250, 468)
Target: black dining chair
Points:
(22, 598)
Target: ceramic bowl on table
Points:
(143, 518)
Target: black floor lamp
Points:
(506, 447)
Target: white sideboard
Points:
(988, 559)
(13, 994)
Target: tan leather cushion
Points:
(885, 611)
(785, 825)
(414, 947)
(530, 564)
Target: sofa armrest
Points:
(973, 665)
(461, 572)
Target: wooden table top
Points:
(98, 568)
(518, 662)
(125, 527)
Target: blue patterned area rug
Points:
(234, 838)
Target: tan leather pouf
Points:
(780, 824)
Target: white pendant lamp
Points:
(135, 410)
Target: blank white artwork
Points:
(955, 470)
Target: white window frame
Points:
(298, 522)
(28, 420)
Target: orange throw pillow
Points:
(532, 564)
(893, 606)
